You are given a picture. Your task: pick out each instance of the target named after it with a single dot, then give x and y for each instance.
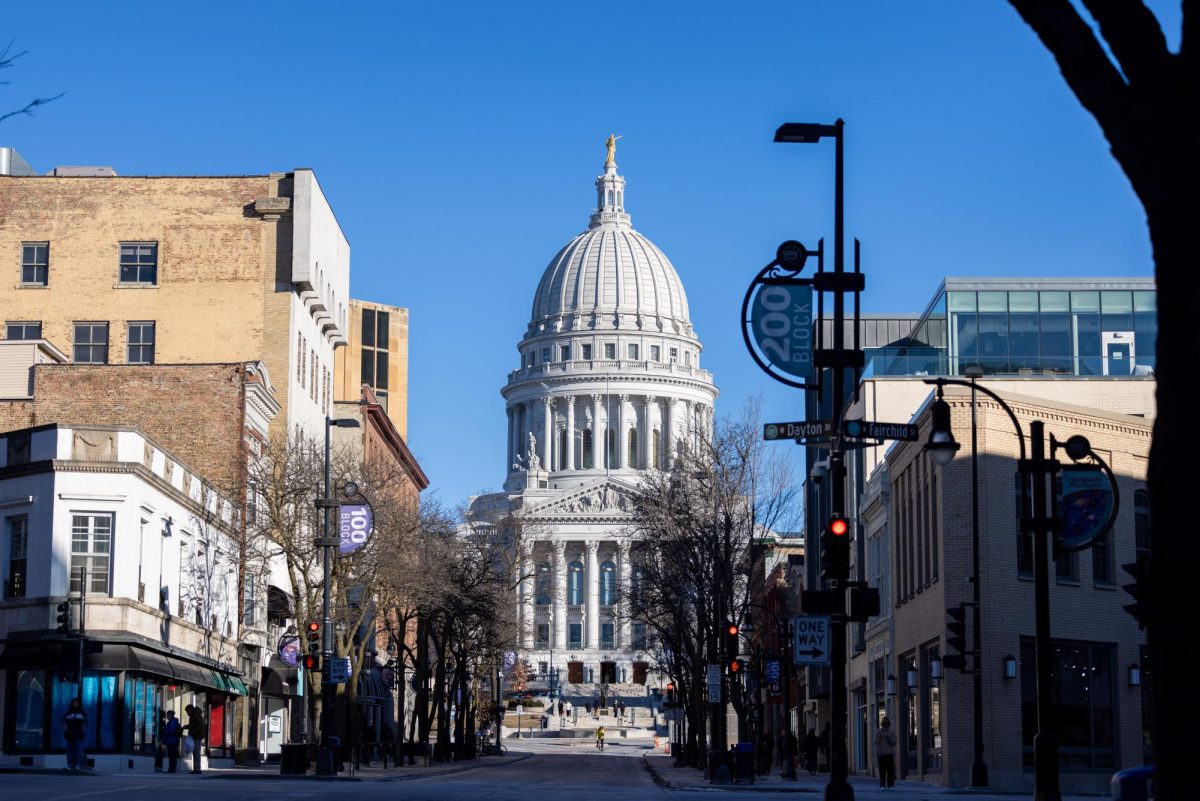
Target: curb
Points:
(449, 771)
(666, 784)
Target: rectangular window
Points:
(1084, 690)
(248, 600)
(575, 635)
(91, 343)
(368, 366)
(368, 328)
(545, 355)
(610, 350)
(141, 343)
(1066, 567)
(23, 330)
(606, 636)
(1102, 570)
(18, 556)
(639, 636)
(564, 353)
(543, 636)
(91, 548)
(139, 263)
(673, 354)
(587, 353)
(35, 263)
(299, 357)
(633, 352)
(655, 353)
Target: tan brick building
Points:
(376, 355)
(928, 522)
(173, 270)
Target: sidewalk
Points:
(374, 773)
(662, 768)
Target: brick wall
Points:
(194, 411)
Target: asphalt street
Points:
(552, 770)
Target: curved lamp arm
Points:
(942, 382)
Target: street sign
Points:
(778, 315)
(714, 684)
(800, 429)
(869, 429)
(339, 670)
(810, 639)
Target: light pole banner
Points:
(1085, 506)
(354, 526)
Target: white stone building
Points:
(609, 385)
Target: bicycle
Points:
(599, 743)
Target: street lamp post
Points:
(1034, 473)
(837, 360)
(327, 542)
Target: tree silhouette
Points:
(1145, 99)
(7, 58)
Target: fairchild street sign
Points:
(810, 639)
(800, 429)
(869, 429)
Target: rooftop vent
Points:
(83, 172)
(11, 163)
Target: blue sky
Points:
(458, 143)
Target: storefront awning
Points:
(229, 684)
(279, 679)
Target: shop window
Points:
(1084, 695)
(29, 711)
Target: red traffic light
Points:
(311, 662)
(313, 627)
(733, 630)
(735, 666)
(670, 686)
(838, 526)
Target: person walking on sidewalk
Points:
(75, 723)
(197, 730)
(810, 745)
(169, 735)
(885, 755)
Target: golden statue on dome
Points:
(611, 145)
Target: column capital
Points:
(548, 400)
(598, 398)
(560, 549)
(623, 398)
(623, 546)
(649, 399)
(570, 399)
(593, 547)
(672, 402)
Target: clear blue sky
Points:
(458, 143)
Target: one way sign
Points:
(810, 639)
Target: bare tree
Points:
(693, 534)
(7, 59)
(1145, 99)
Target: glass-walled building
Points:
(1029, 327)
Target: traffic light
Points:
(956, 638)
(732, 646)
(1140, 571)
(311, 662)
(735, 667)
(671, 693)
(864, 604)
(314, 637)
(835, 557)
(64, 617)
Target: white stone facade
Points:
(609, 385)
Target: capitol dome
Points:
(610, 276)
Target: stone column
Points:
(647, 434)
(621, 457)
(508, 448)
(670, 426)
(528, 584)
(593, 594)
(547, 432)
(599, 432)
(624, 638)
(560, 596)
(570, 455)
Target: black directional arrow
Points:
(811, 652)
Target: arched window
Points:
(575, 583)
(1141, 523)
(657, 449)
(610, 197)
(611, 448)
(542, 585)
(586, 450)
(608, 583)
(633, 447)
(562, 450)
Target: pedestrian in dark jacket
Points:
(169, 735)
(197, 729)
(810, 745)
(75, 723)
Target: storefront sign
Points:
(288, 649)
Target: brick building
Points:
(181, 269)
(376, 355)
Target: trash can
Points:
(743, 763)
(293, 759)
(1132, 784)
